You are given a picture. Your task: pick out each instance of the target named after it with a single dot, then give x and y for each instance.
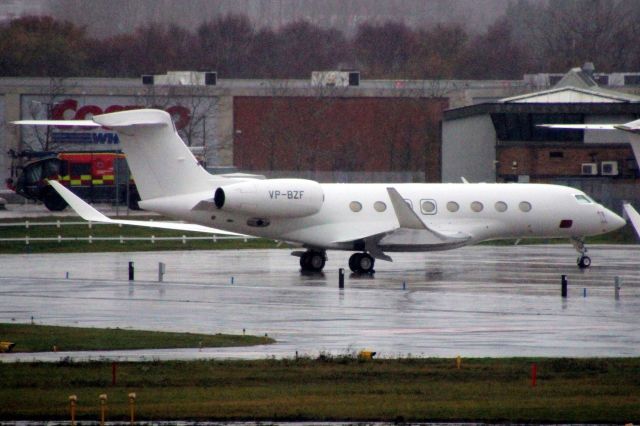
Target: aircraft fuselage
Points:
(467, 213)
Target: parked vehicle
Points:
(93, 176)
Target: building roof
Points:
(576, 86)
(571, 94)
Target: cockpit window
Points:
(583, 199)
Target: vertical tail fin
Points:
(159, 160)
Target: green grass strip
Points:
(42, 338)
(326, 389)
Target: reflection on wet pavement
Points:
(477, 301)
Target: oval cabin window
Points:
(379, 206)
(501, 206)
(355, 206)
(525, 206)
(477, 206)
(453, 207)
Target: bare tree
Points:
(40, 138)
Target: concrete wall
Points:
(469, 149)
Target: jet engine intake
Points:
(271, 198)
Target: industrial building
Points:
(338, 127)
(502, 140)
(332, 127)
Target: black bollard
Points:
(341, 278)
(131, 271)
(564, 286)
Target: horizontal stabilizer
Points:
(83, 123)
(580, 126)
(89, 213)
(633, 216)
(632, 129)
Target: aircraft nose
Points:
(614, 221)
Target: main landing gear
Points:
(313, 260)
(361, 263)
(584, 261)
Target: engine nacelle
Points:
(271, 197)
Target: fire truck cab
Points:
(93, 176)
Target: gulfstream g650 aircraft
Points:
(369, 219)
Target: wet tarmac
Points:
(475, 301)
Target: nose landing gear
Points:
(361, 263)
(584, 261)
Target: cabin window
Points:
(477, 206)
(501, 206)
(566, 223)
(583, 199)
(428, 207)
(453, 207)
(355, 206)
(525, 206)
(379, 206)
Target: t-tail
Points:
(161, 164)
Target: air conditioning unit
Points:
(609, 168)
(589, 169)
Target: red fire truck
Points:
(93, 176)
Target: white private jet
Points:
(370, 219)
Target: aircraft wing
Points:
(633, 216)
(580, 126)
(89, 213)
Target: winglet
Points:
(633, 216)
(406, 217)
(83, 209)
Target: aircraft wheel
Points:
(53, 201)
(584, 262)
(353, 261)
(312, 261)
(316, 261)
(361, 263)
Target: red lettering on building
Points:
(181, 115)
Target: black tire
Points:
(304, 261)
(354, 261)
(361, 263)
(312, 261)
(53, 201)
(584, 262)
(316, 261)
(134, 198)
